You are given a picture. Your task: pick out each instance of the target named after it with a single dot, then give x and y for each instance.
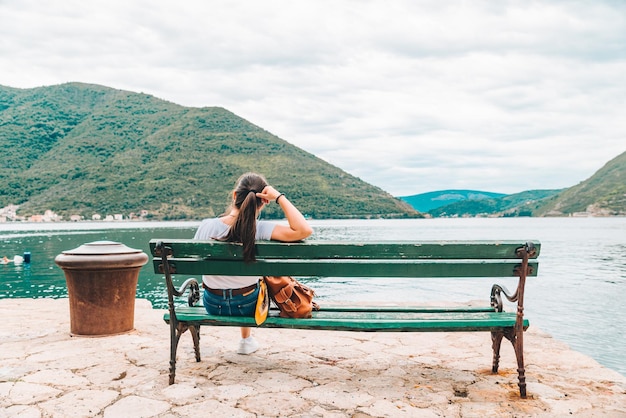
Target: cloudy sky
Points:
(411, 96)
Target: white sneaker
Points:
(247, 346)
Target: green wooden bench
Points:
(430, 260)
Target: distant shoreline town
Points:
(9, 214)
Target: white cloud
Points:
(410, 96)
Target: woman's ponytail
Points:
(247, 225)
(243, 229)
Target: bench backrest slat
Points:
(183, 248)
(370, 259)
(348, 268)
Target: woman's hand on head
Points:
(269, 194)
(298, 228)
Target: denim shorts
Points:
(228, 305)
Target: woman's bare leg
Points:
(245, 332)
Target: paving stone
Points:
(5, 389)
(271, 382)
(136, 407)
(182, 394)
(384, 408)
(232, 392)
(23, 393)
(21, 411)
(212, 408)
(79, 403)
(319, 412)
(57, 378)
(284, 404)
(338, 395)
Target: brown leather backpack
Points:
(293, 299)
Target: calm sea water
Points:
(578, 296)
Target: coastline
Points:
(46, 372)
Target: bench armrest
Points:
(194, 291)
(496, 297)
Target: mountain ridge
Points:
(602, 194)
(425, 202)
(79, 148)
(512, 205)
(84, 148)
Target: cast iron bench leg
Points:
(517, 339)
(175, 332)
(496, 342)
(195, 335)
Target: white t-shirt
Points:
(214, 228)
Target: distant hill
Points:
(83, 149)
(426, 202)
(518, 204)
(603, 194)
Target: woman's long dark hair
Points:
(244, 227)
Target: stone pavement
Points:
(44, 372)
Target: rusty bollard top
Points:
(101, 255)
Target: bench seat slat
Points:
(363, 321)
(350, 268)
(425, 309)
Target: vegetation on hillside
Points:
(604, 193)
(425, 202)
(84, 149)
(518, 204)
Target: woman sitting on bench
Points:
(237, 295)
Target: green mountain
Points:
(425, 202)
(603, 194)
(83, 149)
(518, 204)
